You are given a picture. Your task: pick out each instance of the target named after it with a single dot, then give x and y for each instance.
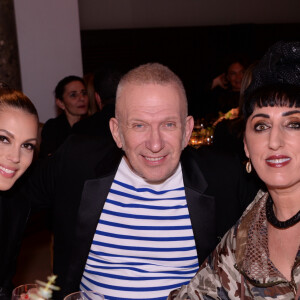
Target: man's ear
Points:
(60, 104)
(189, 125)
(114, 128)
(246, 147)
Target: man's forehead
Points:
(142, 90)
(151, 97)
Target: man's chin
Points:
(155, 181)
(157, 178)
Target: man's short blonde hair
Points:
(152, 73)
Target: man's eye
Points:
(138, 126)
(170, 125)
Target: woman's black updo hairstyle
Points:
(275, 79)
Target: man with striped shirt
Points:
(144, 243)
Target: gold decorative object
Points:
(201, 135)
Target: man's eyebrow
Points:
(260, 115)
(135, 120)
(292, 112)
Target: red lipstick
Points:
(278, 161)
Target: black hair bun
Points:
(280, 65)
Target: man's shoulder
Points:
(220, 170)
(87, 154)
(78, 144)
(78, 159)
(97, 124)
(211, 160)
(87, 123)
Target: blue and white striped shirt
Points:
(143, 246)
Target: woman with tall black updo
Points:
(259, 258)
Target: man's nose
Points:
(155, 140)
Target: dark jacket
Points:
(55, 131)
(76, 180)
(97, 124)
(14, 213)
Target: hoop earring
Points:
(248, 166)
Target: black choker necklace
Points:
(274, 221)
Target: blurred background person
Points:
(229, 128)
(71, 98)
(219, 95)
(106, 81)
(225, 88)
(89, 83)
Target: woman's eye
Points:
(73, 95)
(260, 127)
(4, 139)
(29, 146)
(295, 125)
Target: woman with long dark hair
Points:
(18, 142)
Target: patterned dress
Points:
(240, 266)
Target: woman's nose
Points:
(14, 154)
(82, 96)
(276, 138)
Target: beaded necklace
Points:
(274, 221)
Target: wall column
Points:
(9, 57)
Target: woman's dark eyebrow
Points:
(31, 140)
(7, 132)
(12, 136)
(260, 115)
(288, 113)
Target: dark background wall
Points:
(116, 14)
(196, 54)
(9, 59)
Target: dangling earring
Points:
(248, 166)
